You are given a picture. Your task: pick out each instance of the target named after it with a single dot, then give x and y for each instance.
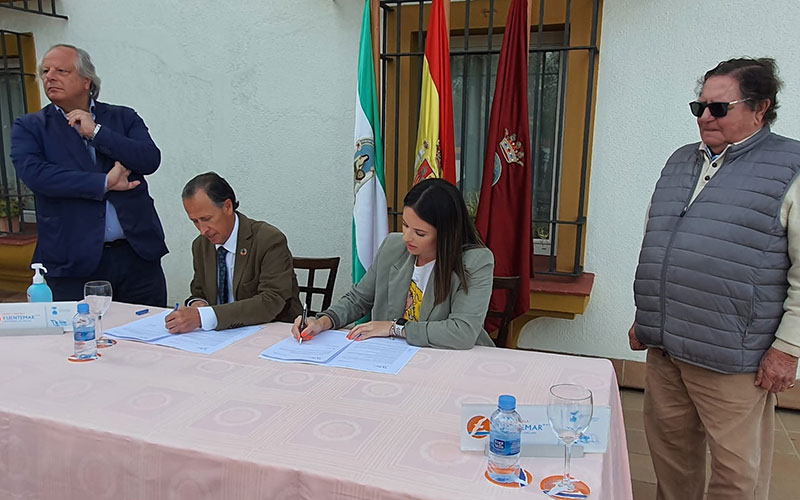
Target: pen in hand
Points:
(303, 320)
(176, 306)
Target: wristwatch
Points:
(398, 328)
(96, 130)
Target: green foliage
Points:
(7, 208)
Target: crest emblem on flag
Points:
(498, 169)
(422, 165)
(512, 148)
(363, 162)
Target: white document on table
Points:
(332, 348)
(147, 329)
(321, 349)
(151, 330)
(378, 354)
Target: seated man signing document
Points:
(243, 272)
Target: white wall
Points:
(262, 92)
(651, 55)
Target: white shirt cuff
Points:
(208, 318)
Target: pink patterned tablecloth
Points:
(149, 422)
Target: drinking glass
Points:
(570, 413)
(98, 295)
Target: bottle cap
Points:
(507, 402)
(38, 272)
(83, 308)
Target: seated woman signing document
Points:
(429, 285)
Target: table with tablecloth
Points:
(150, 422)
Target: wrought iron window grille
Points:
(16, 200)
(40, 7)
(549, 45)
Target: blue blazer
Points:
(52, 160)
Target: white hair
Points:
(84, 67)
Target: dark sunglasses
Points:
(717, 109)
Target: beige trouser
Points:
(685, 407)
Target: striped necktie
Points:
(222, 276)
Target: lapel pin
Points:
(243, 252)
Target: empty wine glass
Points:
(98, 295)
(570, 413)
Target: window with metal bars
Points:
(41, 7)
(561, 83)
(17, 89)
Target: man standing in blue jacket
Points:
(85, 162)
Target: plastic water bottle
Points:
(504, 441)
(83, 328)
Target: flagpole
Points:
(375, 18)
(530, 23)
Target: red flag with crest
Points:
(504, 210)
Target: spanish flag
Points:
(436, 148)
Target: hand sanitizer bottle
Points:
(39, 291)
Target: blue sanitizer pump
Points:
(39, 291)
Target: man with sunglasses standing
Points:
(717, 290)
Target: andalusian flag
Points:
(436, 147)
(370, 225)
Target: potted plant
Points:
(9, 207)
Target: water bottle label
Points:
(504, 446)
(84, 335)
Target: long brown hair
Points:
(440, 204)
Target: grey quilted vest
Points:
(711, 279)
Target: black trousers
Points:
(133, 279)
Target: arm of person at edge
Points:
(632, 339)
(51, 179)
(46, 178)
(778, 369)
(274, 290)
(355, 304)
(187, 319)
(133, 147)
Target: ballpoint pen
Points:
(176, 306)
(303, 325)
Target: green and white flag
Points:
(370, 220)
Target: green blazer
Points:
(455, 323)
(264, 283)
